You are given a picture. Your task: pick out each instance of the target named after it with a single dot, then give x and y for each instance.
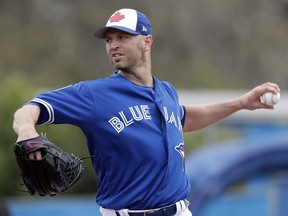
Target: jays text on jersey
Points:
(133, 132)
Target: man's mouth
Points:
(117, 57)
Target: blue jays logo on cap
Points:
(116, 17)
(128, 20)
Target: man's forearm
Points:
(200, 116)
(24, 122)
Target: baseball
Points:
(270, 99)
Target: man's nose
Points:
(114, 44)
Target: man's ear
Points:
(148, 41)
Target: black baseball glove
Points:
(54, 173)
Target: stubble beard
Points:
(128, 64)
(122, 66)
(125, 66)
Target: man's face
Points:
(125, 51)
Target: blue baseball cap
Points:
(128, 20)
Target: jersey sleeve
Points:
(70, 105)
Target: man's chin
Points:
(117, 66)
(120, 68)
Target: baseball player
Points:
(133, 123)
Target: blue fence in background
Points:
(55, 206)
(263, 196)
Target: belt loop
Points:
(181, 205)
(187, 203)
(107, 212)
(123, 212)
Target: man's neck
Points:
(143, 79)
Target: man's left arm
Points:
(201, 116)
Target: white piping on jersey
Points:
(49, 109)
(182, 112)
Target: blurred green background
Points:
(199, 44)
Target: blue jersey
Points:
(134, 134)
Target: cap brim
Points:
(101, 32)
